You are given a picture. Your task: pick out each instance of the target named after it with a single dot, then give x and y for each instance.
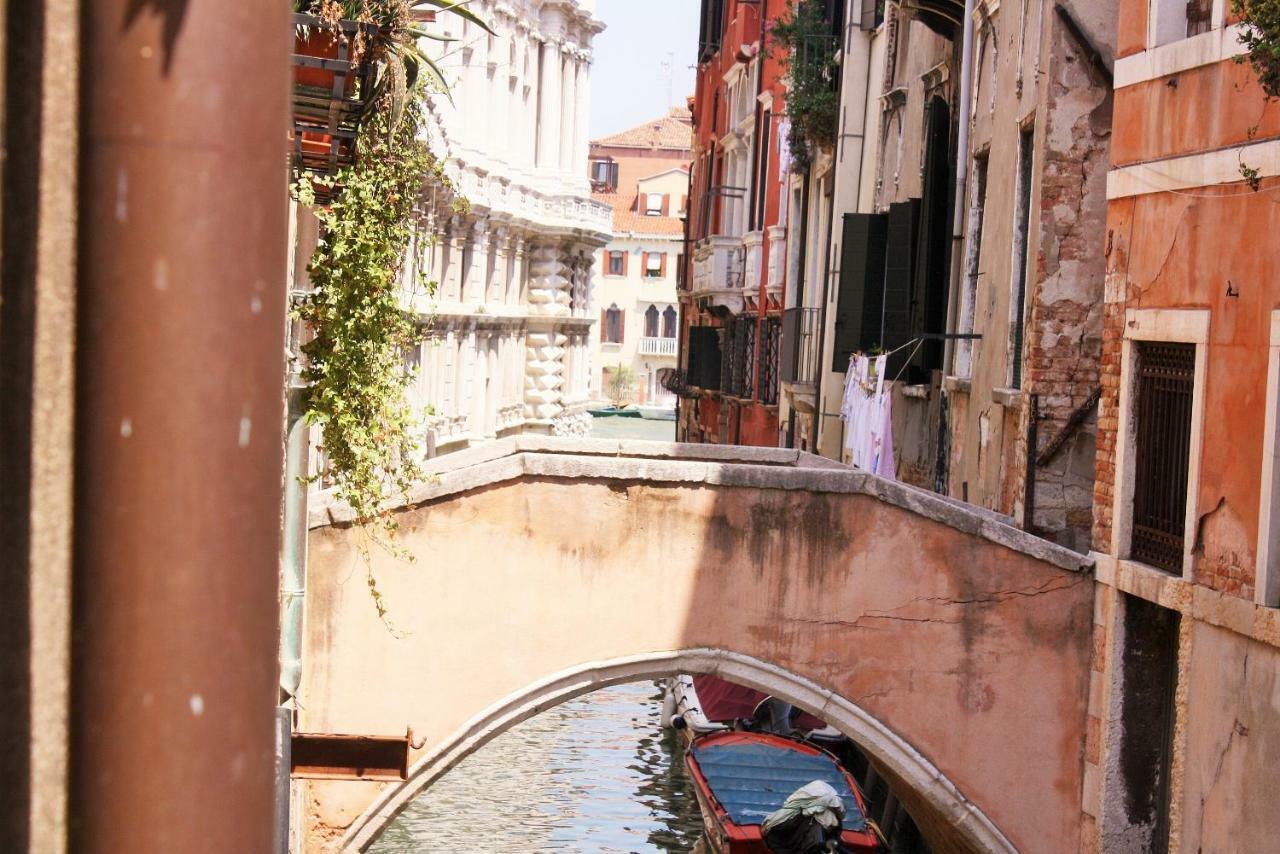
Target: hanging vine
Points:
(812, 97)
(355, 367)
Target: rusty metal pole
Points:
(179, 424)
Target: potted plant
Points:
(348, 56)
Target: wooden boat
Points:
(742, 777)
(657, 413)
(614, 412)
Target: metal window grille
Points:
(1166, 381)
(739, 348)
(770, 352)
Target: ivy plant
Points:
(355, 368)
(1261, 36)
(812, 98)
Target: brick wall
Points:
(1064, 335)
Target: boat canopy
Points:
(752, 777)
(723, 702)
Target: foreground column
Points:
(178, 434)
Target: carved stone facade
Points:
(508, 321)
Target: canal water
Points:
(596, 774)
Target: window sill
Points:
(1007, 397)
(957, 385)
(919, 392)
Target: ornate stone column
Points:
(477, 261)
(549, 106)
(568, 111)
(499, 248)
(455, 243)
(544, 359)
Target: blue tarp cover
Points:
(752, 780)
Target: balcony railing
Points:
(801, 345)
(658, 347)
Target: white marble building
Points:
(508, 327)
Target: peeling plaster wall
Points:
(1030, 71)
(1034, 73)
(976, 654)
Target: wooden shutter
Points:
(604, 325)
(933, 264)
(622, 325)
(666, 204)
(861, 288)
(899, 280)
(790, 343)
(662, 264)
(704, 357)
(626, 256)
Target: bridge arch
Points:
(934, 797)
(967, 639)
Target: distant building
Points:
(510, 322)
(732, 292)
(643, 174)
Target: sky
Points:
(627, 83)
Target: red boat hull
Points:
(727, 837)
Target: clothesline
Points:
(916, 342)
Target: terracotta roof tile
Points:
(674, 131)
(626, 219)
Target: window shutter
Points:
(861, 288)
(870, 15)
(604, 325)
(666, 204)
(790, 343)
(662, 265)
(622, 325)
(704, 357)
(626, 256)
(899, 280)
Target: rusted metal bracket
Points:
(327, 756)
(1074, 420)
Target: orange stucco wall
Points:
(1182, 250)
(1209, 107)
(1131, 32)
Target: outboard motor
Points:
(809, 822)
(774, 716)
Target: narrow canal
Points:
(597, 774)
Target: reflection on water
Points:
(595, 774)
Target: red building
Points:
(732, 287)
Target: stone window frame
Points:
(1267, 564)
(1172, 325)
(608, 263)
(1158, 9)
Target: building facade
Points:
(736, 232)
(643, 174)
(1187, 664)
(509, 324)
(951, 227)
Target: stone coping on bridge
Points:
(690, 464)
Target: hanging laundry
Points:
(867, 410)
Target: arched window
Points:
(651, 322)
(611, 325)
(669, 320)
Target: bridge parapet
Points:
(954, 647)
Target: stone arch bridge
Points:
(953, 647)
